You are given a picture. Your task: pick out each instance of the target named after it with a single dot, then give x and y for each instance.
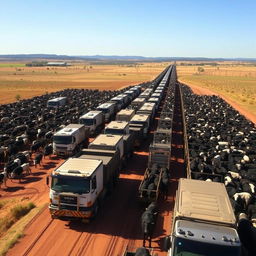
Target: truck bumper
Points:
(58, 213)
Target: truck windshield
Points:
(104, 110)
(70, 184)
(87, 122)
(62, 139)
(137, 122)
(114, 131)
(185, 247)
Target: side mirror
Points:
(47, 181)
(167, 243)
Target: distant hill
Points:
(24, 57)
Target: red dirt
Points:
(203, 91)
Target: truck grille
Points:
(68, 199)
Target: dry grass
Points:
(33, 81)
(11, 237)
(16, 212)
(236, 82)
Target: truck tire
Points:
(167, 243)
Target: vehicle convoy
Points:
(125, 115)
(57, 102)
(93, 120)
(203, 221)
(70, 139)
(122, 128)
(77, 187)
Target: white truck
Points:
(70, 139)
(141, 121)
(148, 108)
(137, 103)
(93, 120)
(109, 142)
(125, 115)
(57, 102)
(77, 186)
(203, 221)
(122, 128)
(108, 109)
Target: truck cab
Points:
(141, 121)
(203, 221)
(93, 120)
(148, 108)
(137, 103)
(109, 142)
(75, 188)
(68, 140)
(125, 115)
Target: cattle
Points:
(222, 146)
(3, 178)
(48, 150)
(247, 235)
(142, 252)
(26, 168)
(38, 159)
(148, 220)
(16, 173)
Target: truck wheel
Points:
(167, 243)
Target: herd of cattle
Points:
(27, 127)
(222, 148)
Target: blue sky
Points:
(191, 28)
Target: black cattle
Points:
(38, 159)
(148, 220)
(16, 173)
(10, 167)
(142, 252)
(48, 150)
(247, 235)
(3, 178)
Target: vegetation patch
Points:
(14, 215)
(16, 231)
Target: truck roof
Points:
(117, 125)
(105, 155)
(107, 139)
(78, 167)
(126, 112)
(57, 99)
(202, 200)
(106, 105)
(139, 100)
(90, 114)
(69, 129)
(140, 117)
